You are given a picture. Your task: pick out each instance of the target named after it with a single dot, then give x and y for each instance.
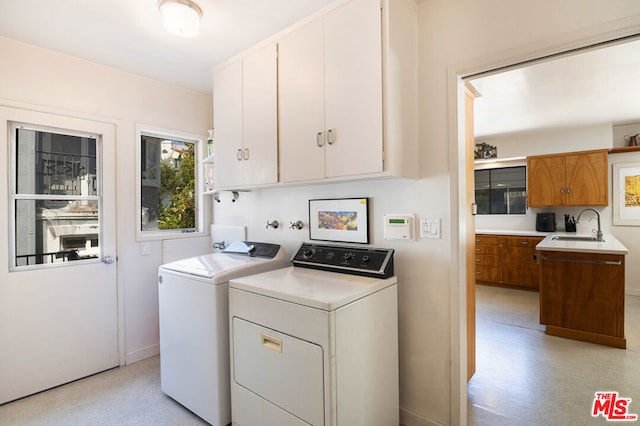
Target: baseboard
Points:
(409, 418)
(632, 291)
(140, 354)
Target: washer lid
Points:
(222, 267)
(313, 288)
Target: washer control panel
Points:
(367, 261)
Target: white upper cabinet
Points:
(301, 102)
(335, 100)
(245, 121)
(227, 121)
(330, 95)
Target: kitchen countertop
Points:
(610, 245)
(514, 232)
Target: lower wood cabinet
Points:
(507, 259)
(582, 296)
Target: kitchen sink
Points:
(574, 238)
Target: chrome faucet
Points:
(599, 236)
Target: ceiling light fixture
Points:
(180, 17)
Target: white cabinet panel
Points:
(330, 88)
(227, 121)
(353, 89)
(301, 102)
(245, 120)
(260, 116)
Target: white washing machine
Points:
(194, 324)
(316, 343)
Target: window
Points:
(501, 191)
(55, 200)
(168, 197)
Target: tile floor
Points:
(525, 377)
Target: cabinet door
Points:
(227, 121)
(519, 266)
(586, 179)
(301, 103)
(353, 89)
(545, 181)
(583, 291)
(260, 116)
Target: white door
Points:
(58, 290)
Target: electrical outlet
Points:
(429, 228)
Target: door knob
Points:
(108, 260)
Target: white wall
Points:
(42, 79)
(452, 32)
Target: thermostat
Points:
(399, 226)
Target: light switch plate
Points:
(429, 228)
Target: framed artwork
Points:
(341, 219)
(626, 194)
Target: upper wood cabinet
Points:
(570, 179)
(330, 95)
(245, 120)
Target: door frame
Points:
(519, 57)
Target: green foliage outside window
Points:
(177, 189)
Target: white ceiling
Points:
(596, 87)
(128, 35)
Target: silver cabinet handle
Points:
(320, 139)
(239, 154)
(594, 261)
(331, 136)
(246, 154)
(108, 260)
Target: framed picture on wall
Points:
(340, 219)
(626, 194)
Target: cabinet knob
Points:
(320, 139)
(239, 154)
(246, 154)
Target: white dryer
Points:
(194, 324)
(316, 344)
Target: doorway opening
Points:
(532, 83)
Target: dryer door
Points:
(282, 369)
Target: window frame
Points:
(14, 196)
(490, 166)
(157, 234)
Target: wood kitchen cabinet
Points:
(518, 264)
(570, 179)
(487, 258)
(330, 95)
(245, 120)
(582, 296)
(507, 260)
